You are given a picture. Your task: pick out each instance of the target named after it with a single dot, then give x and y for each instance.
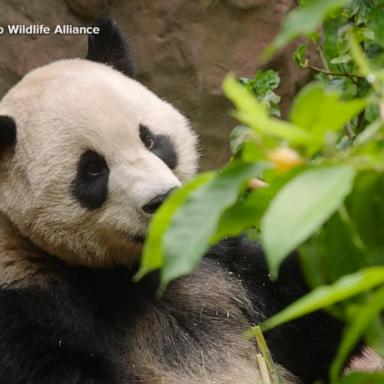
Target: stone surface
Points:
(247, 4)
(89, 9)
(183, 49)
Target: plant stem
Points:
(324, 61)
(331, 74)
(262, 344)
(266, 379)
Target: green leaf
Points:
(252, 152)
(363, 34)
(300, 208)
(254, 114)
(268, 126)
(320, 110)
(365, 206)
(244, 214)
(303, 21)
(325, 296)
(153, 256)
(333, 44)
(358, 55)
(193, 225)
(343, 250)
(374, 336)
(372, 113)
(355, 330)
(311, 261)
(242, 97)
(238, 136)
(263, 82)
(369, 132)
(247, 212)
(363, 378)
(343, 59)
(299, 55)
(271, 101)
(376, 21)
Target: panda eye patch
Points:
(90, 186)
(160, 145)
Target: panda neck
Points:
(22, 257)
(22, 263)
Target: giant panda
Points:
(87, 155)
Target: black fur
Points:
(73, 332)
(162, 146)
(48, 337)
(7, 132)
(90, 186)
(110, 47)
(306, 346)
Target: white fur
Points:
(62, 110)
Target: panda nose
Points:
(152, 206)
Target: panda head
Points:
(87, 154)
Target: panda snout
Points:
(152, 205)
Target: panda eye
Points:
(159, 145)
(147, 137)
(94, 168)
(92, 165)
(149, 143)
(90, 185)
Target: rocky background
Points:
(183, 49)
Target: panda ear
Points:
(7, 132)
(110, 47)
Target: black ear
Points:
(110, 47)
(7, 132)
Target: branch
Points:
(329, 73)
(324, 61)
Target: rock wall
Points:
(183, 49)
